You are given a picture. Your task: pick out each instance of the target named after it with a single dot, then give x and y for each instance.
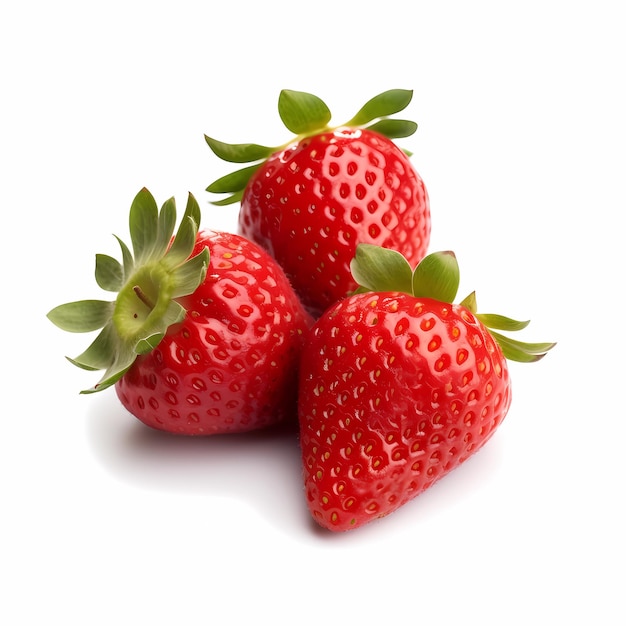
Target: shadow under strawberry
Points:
(261, 469)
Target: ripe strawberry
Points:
(312, 200)
(398, 387)
(205, 334)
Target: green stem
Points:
(143, 297)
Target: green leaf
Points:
(82, 316)
(149, 343)
(238, 152)
(236, 197)
(175, 313)
(302, 112)
(109, 273)
(190, 275)
(183, 243)
(469, 302)
(394, 129)
(143, 224)
(520, 351)
(127, 258)
(192, 209)
(437, 276)
(185, 239)
(100, 354)
(146, 286)
(382, 105)
(499, 322)
(152, 336)
(381, 269)
(123, 359)
(235, 181)
(165, 228)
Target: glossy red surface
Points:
(395, 392)
(232, 364)
(311, 204)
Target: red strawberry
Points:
(311, 201)
(205, 334)
(398, 387)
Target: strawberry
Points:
(205, 333)
(398, 386)
(310, 201)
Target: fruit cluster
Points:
(324, 310)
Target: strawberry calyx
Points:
(148, 282)
(437, 276)
(305, 115)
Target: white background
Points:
(521, 144)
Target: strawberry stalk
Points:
(148, 282)
(305, 115)
(437, 276)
